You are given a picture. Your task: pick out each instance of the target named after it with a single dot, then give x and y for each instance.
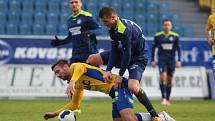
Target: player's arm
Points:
(92, 26)
(58, 42)
(77, 71)
(178, 49)
(154, 45)
(126, 57)
(112, 56)
(207, 29)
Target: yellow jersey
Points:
(211, 25)
(86, 77)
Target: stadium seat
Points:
(28, 6)
(3, 17)
(128, 11)
(102, 3)
(39, 18)
(140, 19)
(41, 6)
(140, 8)
(152, 18)
(92, 8)
(25, 29)
(52, 18)
(189, 30)
(51, 29)
(152, 7)
(64, 7)
(163, 8)
(64, 17)
(178, 29)
(26, 18)
(13, 17)
(11, 29)
(3, 5)
(38, 29)
(53, 6)
(2, 29)
(117, 5)
(176, 18)
(15, 5)
(62, 29)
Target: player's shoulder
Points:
(211, 17)
(159, 33)
(77, 64)
(85, 13)
(174, 33)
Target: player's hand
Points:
(117, 82)
(154, 64)
(55, 42)
(210, 40)
(178, 64)
(107, 77)
(70, 88)
(49, 115)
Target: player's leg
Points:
(213, 64)
(135, 75)
(163, 78)
(147, 117)
(99, 58)
(127, 114)
(117, 119)
(170, 72)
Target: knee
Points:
(163, 77)
(94, 59)
(129, 117)
(134, 86)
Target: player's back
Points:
(90, 78)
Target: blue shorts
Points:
(166, 66)
(122, 99)
(213, 63)
(135, 69)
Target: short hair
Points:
(60, 62)
(106, 11)
(167, 20)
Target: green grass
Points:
(100, 110)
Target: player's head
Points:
(108, 16)
(167, 25)
(75, 5)
(61, 69)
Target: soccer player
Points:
(82, 33)
(82, 76)
(167, 43)
(128, 52)
(210, 26)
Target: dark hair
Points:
(60, 62)
(106, 11)
(167, 20)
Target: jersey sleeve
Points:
(112, 56)
(92, 26)
(154, 45)
(75, 102)
(126, 57)
(178, 48)
(77, 71)
(208, 25)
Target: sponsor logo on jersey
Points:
(75, 30)
(79, 21)
(167, 46)
(171, 38)
(6, 52)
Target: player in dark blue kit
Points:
(168, 44)
(128, 52)
(82, 33)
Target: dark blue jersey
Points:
(127, 37)
(82, 33)
(167, 45)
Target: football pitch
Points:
(100, 109)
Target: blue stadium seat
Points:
(13, 17)
(38, 29)
(189, 30)
(39, 18)
(11, 29)
(3, 5)
(26, 18)
(92, 8)
(178, 29)
(2, 29)
(128, 11)
(51, 29)
(25, 29)
(63, 18)
(3, 18)
(41, 6)
(140, 19)
(152, 18)
(164, 8)
(53, 6)
(102, 3)
(117, 5)
(52, 18)
(176, 18)
(15, 5)
(62, 29)
(64, 7)
(140, 8)
(152, 7)
(28, 6)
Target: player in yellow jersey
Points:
(83, 76)
(210, 34)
